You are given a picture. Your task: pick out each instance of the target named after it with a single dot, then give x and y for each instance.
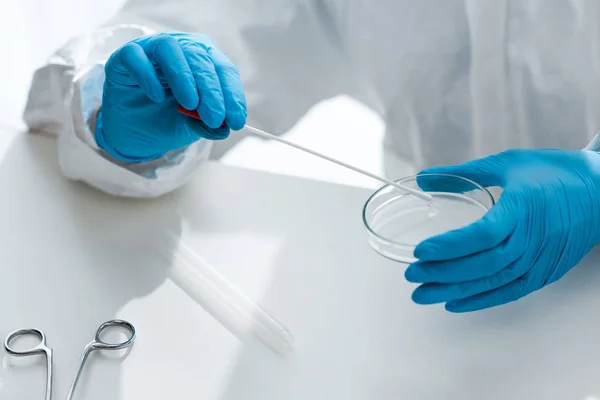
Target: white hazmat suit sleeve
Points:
(64, 98)
(280, 85)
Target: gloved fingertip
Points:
(236, 120)
(186, 93)
(420, 296)
(432, 171)
(188, 102)
(424, 251)
(210, 118)
(157, 94)
(413, 274)
(457, 307)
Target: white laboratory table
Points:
(73, 258)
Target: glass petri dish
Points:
(397, 221)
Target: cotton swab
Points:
(258, 132)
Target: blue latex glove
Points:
(546, 221)
(148, 78)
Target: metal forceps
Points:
(96, 344)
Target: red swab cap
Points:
(192, 113)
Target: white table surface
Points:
(72, 258)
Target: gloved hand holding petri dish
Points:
(397, 221)
(474, 254)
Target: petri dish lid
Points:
(398, 221)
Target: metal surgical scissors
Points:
(96, 344)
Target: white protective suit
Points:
(453, 79)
